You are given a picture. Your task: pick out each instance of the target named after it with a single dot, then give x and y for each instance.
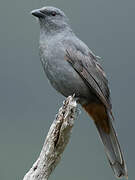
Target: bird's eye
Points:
(53, 13)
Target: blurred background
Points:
(28, 103)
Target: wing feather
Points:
(92, 74)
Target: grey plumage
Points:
(72, 68)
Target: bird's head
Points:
(51, 18)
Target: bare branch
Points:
(55, 143)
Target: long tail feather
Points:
(109, 138)
(113, 151)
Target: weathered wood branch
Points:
(55, 142)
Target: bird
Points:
(72, 68)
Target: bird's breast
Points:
(60, 73)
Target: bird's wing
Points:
(91, 72)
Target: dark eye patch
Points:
(53, 13)
(49, 13)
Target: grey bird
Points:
(72, 68)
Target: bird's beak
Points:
(37, 13)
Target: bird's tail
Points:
(109, 138)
